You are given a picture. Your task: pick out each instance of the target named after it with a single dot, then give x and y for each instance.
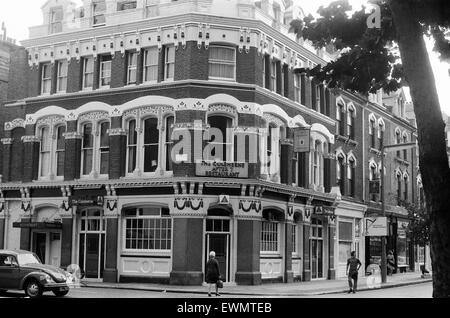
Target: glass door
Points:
(92, 243)
(316, 243)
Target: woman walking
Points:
(212, 272)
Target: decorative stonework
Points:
(72, 135)
(51, 120)
(30, 139)
(93, 116)
(186, 105)
(222, 108)
(71, 116)
(117, 132)
(273, 119)
(189, 206)
(16, 123)
(7, 141)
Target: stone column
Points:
(331, 245)
(67, 235)
(31, 157)
(288, 272)
(306, 251)
(6, 144)
(112, 215)
(248, 252)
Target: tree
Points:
(388, 57)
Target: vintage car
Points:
(22, 270)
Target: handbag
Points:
(219, 284)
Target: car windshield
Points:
(24, 259)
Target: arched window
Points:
(151, 145)
(340, 116)
(399, 186)
(221, 142)
(132, 140)
(341, 173)
(351, 176)
(406, 182)
(60, 150)
(398, 140)
(381, 128)
(372, 130)
(87, 149)
(351, 122)
(168, 142)
(373, 176)
(45, 152)
(95, 149)
(405, 151)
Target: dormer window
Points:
(98, 12)
(56, 18)
(126, 5)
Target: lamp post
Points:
(383, 204)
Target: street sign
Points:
(376, 226)
(302, 139)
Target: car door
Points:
(9, 272)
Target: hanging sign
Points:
(376, 226)
(302, 139)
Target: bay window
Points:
(148, 229)
(222, 62)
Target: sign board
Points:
(302, 139)
(324, 210)
(38, 225)
(86, 201)
(376, 226)
(374, 187)
(224, 200)
(214, 169)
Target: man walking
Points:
(353, 265)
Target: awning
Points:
(38, 225)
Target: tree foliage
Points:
(419, 223)
(369, 58)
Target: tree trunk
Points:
(433, 159)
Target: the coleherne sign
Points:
(214, 169)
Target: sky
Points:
(18, 15)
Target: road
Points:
(412, 291)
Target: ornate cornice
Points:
(7, 141)
(72, 135)
(30, 139)
(117, 132)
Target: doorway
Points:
(92, 243)
(218, 240)
(316, 244)
(40, 245)
(47, 246)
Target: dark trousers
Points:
(353, 281)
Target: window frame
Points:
(169, 65)
(273, 232)
(62, 78)
(102, 71)
(223, 62)
(46, 80)
(47, 152)
(160, 218)
(131, 55)
(147, 66)
(129, 145)
(88, 74)
(97, 14)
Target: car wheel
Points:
(33, 289)
(60, 293)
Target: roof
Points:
(14, 252)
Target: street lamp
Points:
(387, 148)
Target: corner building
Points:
(99, 100)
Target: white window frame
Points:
(273, 76)
(129, 146)
(169, 64)
(224, 62)
(83, 149)
(274, 225)
(52, 153)
(47, 152)
(150, 217)
(168, 143)
(46, 80)
(229, 142)
(58, 151)
(318, 98)
(147, 65)
(105, 73)
(96, 14)
(132, 67)
(62, 77)
(294, 239)
(298, 88)
(101, 150)
(89, 74)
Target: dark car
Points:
(22, 270)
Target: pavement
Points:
(296, 289)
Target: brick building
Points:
(101, 98)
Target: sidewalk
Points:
(298, 289)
